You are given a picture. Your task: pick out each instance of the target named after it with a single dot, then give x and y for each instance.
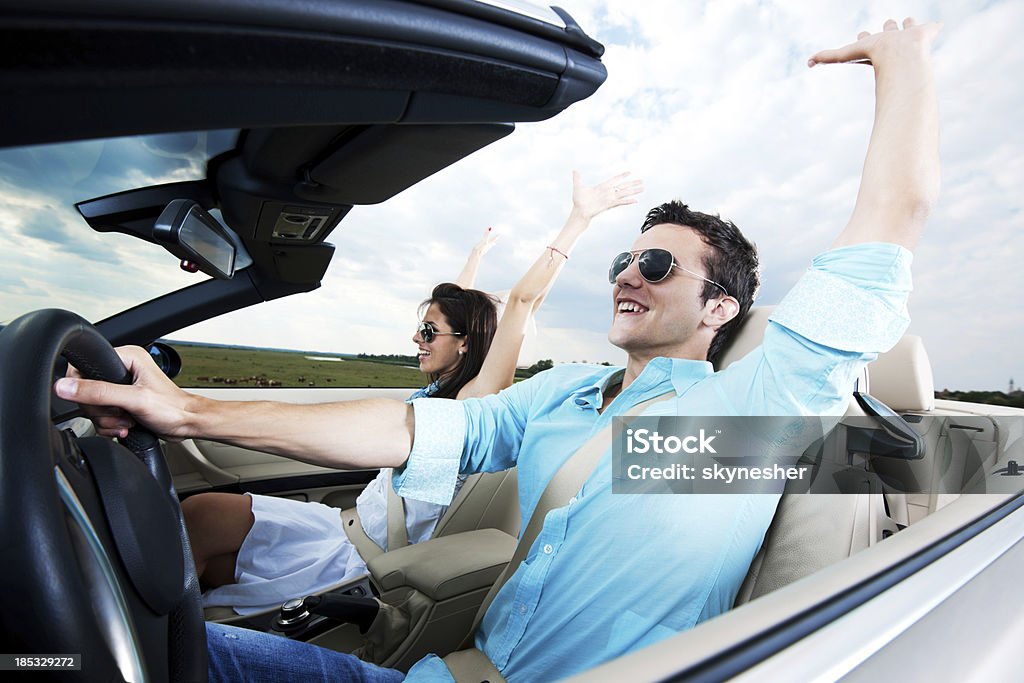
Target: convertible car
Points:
(209, 152)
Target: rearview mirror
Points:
(186, 230)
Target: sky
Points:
(710, 103)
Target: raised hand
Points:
(486, 242)
(616, 191)
(891, 42)
(900, 182)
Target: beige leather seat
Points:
(902, 380)
(962, 448)
(486, 501)
(808, 532)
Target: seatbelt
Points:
(464, 492)
(565, 484)
(365, 546)
(397, 532)
(398, 535)
(472, 666)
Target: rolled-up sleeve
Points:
(472, 435)
(847, 308)
(852, 298)
(431, 471)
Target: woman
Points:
(254, 552)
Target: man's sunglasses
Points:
(654, 266)
(427, 332)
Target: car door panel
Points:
(200, 465)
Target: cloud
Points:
(708, 102)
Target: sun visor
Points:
(381, 161)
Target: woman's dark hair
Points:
(475, 315)
(731, 261)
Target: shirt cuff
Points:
(852, 299)
(432, 469)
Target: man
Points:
(609, 574)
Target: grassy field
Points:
(212, 366)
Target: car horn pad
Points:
(141, 520)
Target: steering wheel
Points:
(96, 556)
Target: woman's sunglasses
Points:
(427, 332)
(654, 266)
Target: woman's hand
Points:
(591, 201)
(486, 242)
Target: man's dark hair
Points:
(731, 261)
(474, 314)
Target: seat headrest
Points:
(901, 378)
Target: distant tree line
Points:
(994, 398)
(398, 359)
(539, 366)
(390, 358)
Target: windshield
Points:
(50, 257)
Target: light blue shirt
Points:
(609, 574)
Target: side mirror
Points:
(166, 358)
(186, 230)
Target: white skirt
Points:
(294, 549)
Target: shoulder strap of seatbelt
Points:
(354, 530)
(398, 536)
(565, 484)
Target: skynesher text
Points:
(716, 472)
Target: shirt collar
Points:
(592, 395)
(425, 392)
(682, 373)
(686, 373)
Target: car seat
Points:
(808, 532)
(486, 501)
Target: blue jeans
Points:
(239, 654)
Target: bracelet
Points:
(556, 250)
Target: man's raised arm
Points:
(349, 435)
(900, 182)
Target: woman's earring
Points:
(461, 352)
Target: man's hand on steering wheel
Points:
(152, 399)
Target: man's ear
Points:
(718, 312)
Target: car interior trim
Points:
(163, 315)
(303, 481)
